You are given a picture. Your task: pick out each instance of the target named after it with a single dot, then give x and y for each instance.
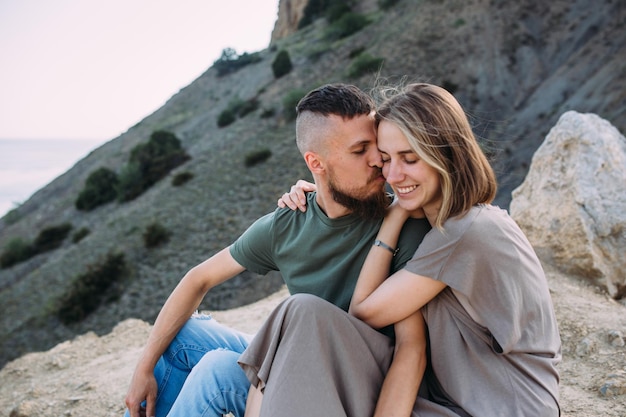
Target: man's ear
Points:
(314, 162)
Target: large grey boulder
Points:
(572, 204)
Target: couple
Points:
(475, 282)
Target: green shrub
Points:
(256, 157)
(386, 4)
(290, 102)
(80, 234)
(16, 250)
(149, 162)
(130, 183)
(181, 178)
(225, 118)
(230, 62)
(348, 24)
(247, 106)
(459, 22)
(314, 9)
(337, 10)
(100, 188)
(12, 216)
(282, 64)
(101, 283)
(51, 237)
(363, 64)
(155, 235)
(267, 113)
(356, 52)
(236, 108)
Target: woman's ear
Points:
(313, 162)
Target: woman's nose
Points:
(392, 173)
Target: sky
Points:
(84, 69)
(89, 70)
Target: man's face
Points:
(354, 166)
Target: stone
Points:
(616, 338)
(289, 14)
(572, 203)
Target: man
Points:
(189, 366)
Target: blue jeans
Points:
(198, 374)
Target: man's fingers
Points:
(150, 406)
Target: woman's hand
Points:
(295, 199)
(396, 212)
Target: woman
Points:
(492, 333)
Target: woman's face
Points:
(415, 183)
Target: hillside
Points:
(515, 66)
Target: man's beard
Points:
(371, 207)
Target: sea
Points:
(27, 165)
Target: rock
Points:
(616, 338)
(289, 14)
(614, 385)
(586, 347)
(572, 204)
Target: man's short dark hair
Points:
(343, 100)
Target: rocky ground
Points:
(89, 375)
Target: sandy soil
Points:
(89, 375)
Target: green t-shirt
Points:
(315, 254)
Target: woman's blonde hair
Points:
(439, 132)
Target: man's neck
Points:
(329, 206)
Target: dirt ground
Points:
(89, 375)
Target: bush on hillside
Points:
(364, 64)
(256, 157)
(80, 234)
(247, 106)
(155, 235)
(330, 9)
(290, 102)
(230, 62)
(149, 162)
(282, 64)
(100, 188)
(226, 117)
(236, 108)
(181, 178)
(267, 113)
(100, 284)
(338, 8)
(346, 25)
(12, 216)
(386, 4)
(313, 10)
(16, 250)
(51, 237)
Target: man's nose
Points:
(376, 160)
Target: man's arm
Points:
(399, 391)
(180, 305)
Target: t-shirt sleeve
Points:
(253, 249)
(437, 249)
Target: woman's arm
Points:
(295, 199)
(381, 301)
(401, 384)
